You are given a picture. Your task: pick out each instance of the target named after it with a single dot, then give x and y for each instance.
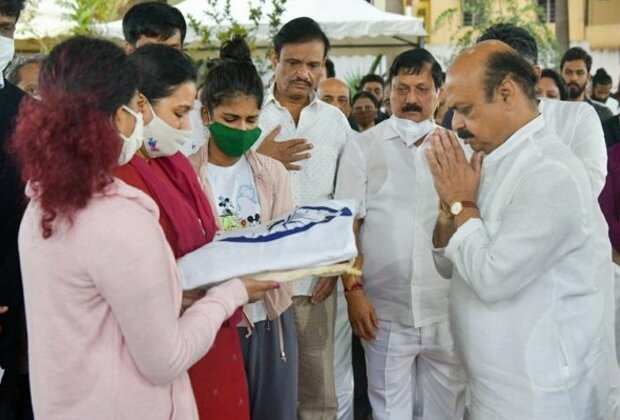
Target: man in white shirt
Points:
(529, 256)
(292, 110)
(576, 123)
(401, 312)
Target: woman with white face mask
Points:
(101, 289)
(167, 86)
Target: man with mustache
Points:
(400, 307)
(575, 67)
(294, 111)
(528, 254)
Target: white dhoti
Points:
(407, 365)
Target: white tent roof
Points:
(44, 19)
(354, 27)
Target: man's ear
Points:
(537, 71)
(506, 92)
(274, 59)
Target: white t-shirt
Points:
(238, 206)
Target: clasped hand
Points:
(454, 177)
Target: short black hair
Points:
(232, 75)
(601, 77)
(558, 80)
(574, 54)
(519, 39)
(370, 78)
(161, 69)
(364, 94)
(12, 73)
(503, 64)
(413, 61)
(154, 20)
(300, 30)
(330, 69)
(12, 8)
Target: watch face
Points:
(456, 208)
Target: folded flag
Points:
(312, 236)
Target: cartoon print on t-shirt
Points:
(230, 215)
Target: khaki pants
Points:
(315, 337)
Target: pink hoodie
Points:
(102, 305)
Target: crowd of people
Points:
(488, 230)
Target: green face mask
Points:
(232, 141)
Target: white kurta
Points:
(391, 179)
(527, 305)
(579, 127)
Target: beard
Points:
(575, 90)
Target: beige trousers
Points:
(316, 398)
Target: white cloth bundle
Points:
(311, 236)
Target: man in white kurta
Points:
(529, 256)
(401, 313)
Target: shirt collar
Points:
(272, 98)
(517, 137)
(1, 80)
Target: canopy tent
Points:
(43, 20)
(354, 27)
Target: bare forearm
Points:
(444, 229)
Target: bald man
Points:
(528, 257)
(335, 92)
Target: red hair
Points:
(67, 153)
(67, 144)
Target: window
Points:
(547, 11)
(469, 18)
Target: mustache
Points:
(411, 108)
(464, 134)
(306, 82)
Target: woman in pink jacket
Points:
(248, 189)
(101, 288)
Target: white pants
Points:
(343, 365)
(407, 364)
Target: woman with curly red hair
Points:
(101, 289)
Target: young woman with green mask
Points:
(250, 188)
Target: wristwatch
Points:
(457, 207)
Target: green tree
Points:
(482, 14)
(87, 13)
(226, 26)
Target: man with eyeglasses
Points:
(400, 307)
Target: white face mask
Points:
(200, 132)
(412, 131)
(7, 51)
(160, 139)
(132, 143)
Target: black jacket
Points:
(13, 348)
(611, 128)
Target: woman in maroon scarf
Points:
(167, 86)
